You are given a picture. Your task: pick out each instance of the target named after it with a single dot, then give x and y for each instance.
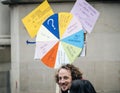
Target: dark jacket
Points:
(82, 86)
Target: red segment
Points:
(50, 58)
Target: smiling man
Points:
(65, 79)
(65, 75)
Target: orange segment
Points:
(50, 58)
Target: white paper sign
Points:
(87, 14)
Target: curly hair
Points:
(75, 73)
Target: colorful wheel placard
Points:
(59, 40)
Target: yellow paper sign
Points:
(34, 20)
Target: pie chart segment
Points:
(71, 51)
(45, 35)
(52, 25)
(64, 20)
(50, 58)
(61, 57)
(76, 39)
(73, 27)
(42, 48)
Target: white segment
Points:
(73, 27)
(45, 35)
(42, 48)
(61, 57)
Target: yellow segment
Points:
(64, 20)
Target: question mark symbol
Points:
(51, 22)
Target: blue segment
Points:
(76, 39)
(52, 25)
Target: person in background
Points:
(82, 86)
(69, 79)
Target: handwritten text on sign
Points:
(87, 14)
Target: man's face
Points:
(65, 79)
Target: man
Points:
(66, 77)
